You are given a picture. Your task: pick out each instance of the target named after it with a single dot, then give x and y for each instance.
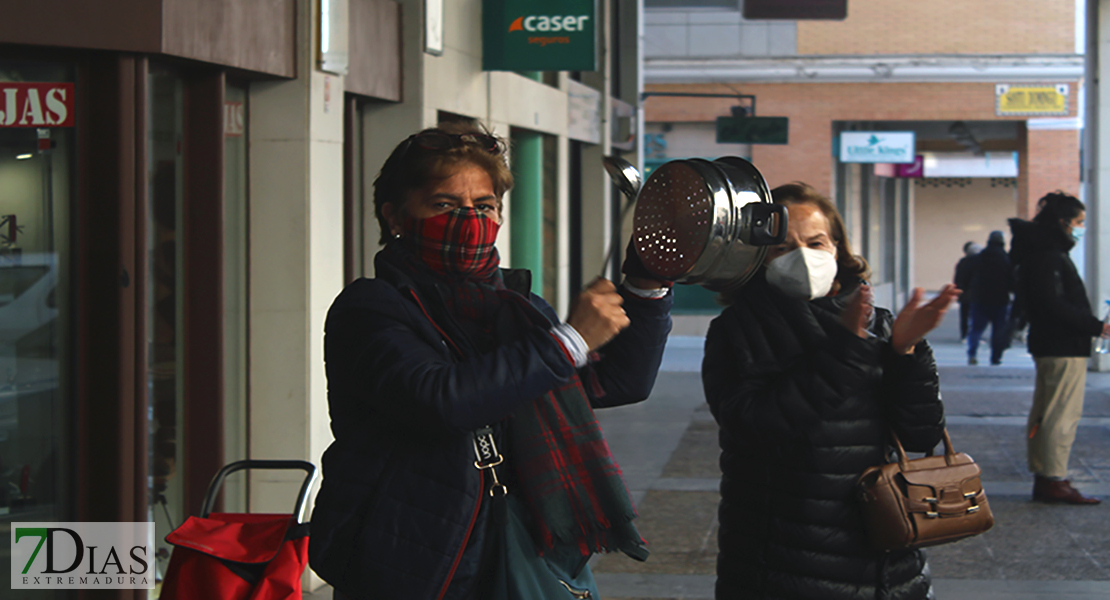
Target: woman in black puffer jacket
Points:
(806, 378)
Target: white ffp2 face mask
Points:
(803, 273)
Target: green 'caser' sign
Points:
(539, 35)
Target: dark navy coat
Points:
(1060, 319)
(804, 406)
(400, 497)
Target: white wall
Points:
(947, 217)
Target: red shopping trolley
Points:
(240, 556)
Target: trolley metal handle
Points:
(239, 465)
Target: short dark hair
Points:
(411, 167)
(1056, 207)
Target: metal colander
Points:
(672, 221)
(706, 222)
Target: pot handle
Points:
(760, 224)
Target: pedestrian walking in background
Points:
(988, 294)
(1061, 326)
(806, 379)
(461, 404)
(962, 279)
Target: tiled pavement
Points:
(668, 450)
(1034, 552)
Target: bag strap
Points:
(903, 461)
(485, 449)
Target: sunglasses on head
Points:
(440, 140)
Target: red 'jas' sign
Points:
(36, 104)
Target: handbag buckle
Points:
(497, 485)
(970, 495)
(931, 515)
(972, 509)
(485, 449)
(579, 594)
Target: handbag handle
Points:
(904, 462)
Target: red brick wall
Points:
(1052, 160)
(1053, 165)
(944, 27)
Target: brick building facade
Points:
(891, 65)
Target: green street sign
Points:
(752, 130)
(539, 35)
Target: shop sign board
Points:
(539, 35)
(877, 146)
(753, 130)
(1031, 100)
(914, 170)
(796, 9)
(36, 104)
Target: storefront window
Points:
(164, 307)
(36, 157)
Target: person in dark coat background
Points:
(806, 379)
(962, 279)
(442, 343)
(1061, 328)
(988, 293)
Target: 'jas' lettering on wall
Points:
(36, 105)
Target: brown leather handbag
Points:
(925, 501)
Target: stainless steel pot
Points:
(706, 222)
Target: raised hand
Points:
(596, 314)
(916, 319)
(637, 273)
(857, 314)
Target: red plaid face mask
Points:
(460, 242)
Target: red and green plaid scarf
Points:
(456, 243)
(568, 477)
(565, 472)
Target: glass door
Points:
(36, 157)
(164, 308)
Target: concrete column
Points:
(1096, 163)
(562, 219)
(526, 204)
(296, 267)
(597, 191)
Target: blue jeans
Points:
(998, 317)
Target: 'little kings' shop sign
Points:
(877, 147)
(36, 104)
(539, 35)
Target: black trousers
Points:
(965, 314)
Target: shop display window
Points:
(36, 172)
(164, 308)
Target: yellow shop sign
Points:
(1031, 100)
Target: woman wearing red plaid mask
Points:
(461, 403)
